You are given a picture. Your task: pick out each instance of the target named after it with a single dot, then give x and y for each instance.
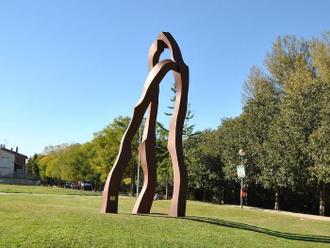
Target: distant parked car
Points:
(158, 197)
(87, 185)
(67, 185)
(74, 186)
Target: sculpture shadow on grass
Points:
(249, 227)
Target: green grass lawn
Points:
(43, 190)
(51, 217)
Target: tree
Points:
(32, 166)
(287, 54)
(205, 168)
(282, 113)
(164, 165)
(319, 149)
(65, 163)
(73, 163)
(43, 161)
(188, 129)
(320, 53)
(231, 139)
(261, 106)
(106, 145)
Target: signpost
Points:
(240, 171)
(241, 175)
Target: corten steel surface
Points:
(149, 101)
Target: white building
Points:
(7, 163)
(12, 163)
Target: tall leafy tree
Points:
(205, 168)
(32, 167)
(188, 128)
(164, 165)
(319, 149)
(74, 164)
(319, 140)
(261, 106)
(320, 53)
(106, 145)
(231, 137)
(283, 115)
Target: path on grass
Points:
(299, 215)
(52, 194)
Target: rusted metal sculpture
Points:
(149, 100)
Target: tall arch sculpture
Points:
(149, 103)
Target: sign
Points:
(240, 171)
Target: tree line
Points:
(284, 129)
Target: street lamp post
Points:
(138, 166)
(241, 174)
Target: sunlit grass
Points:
(55, 218)
(43, 190)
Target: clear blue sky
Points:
(68, 67)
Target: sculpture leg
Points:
(111, 188)
(180, 177)
(148, 160)
(178, 203)
(144, 202)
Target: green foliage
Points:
(164, 165)
(231, 140)
(90, 161)
(319, 140)
(320, 52)
(188, 129)
(287, 54)
(285, 119)
(32, 166)
(205, 169)
(260, 110)
(106, 147)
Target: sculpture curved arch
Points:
(149, 101)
